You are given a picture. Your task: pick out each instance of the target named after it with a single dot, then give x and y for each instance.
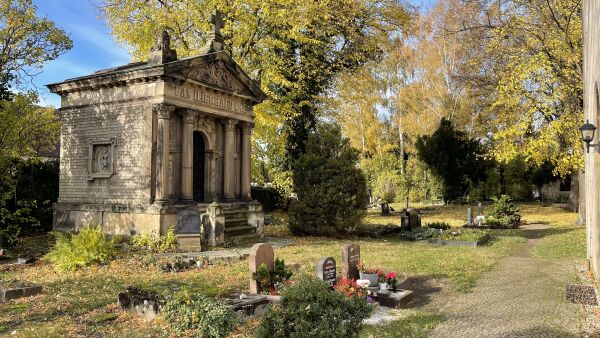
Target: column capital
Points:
(163, 110)
(189, 116)
(247, 127)
(230, 124)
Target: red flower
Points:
(390, 275)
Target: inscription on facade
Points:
(219, 101)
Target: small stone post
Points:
(479, 209)
(216, 225)
(259, 253)
(350, 260)
(470, 216)
(256, 217)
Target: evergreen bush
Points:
(332, 191)
(311, 309)
(505, 214)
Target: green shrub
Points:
(154, 242)
(205, 316)
(14, 221)
(88, 246)
(272, 280)
(332, 191)
(271, 197)
(420, 234)
(439, 225)
(504, 214)
(311, 309)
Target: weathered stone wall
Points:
(130, 124)
(591, 15)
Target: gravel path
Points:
(523, 297)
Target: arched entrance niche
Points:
(199, 167)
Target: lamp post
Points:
(587, 135)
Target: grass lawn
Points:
(84, 302)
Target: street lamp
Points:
(587, 135)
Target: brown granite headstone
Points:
(326, 270)
(350, 260)
(259, 253)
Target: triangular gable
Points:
(220, 72)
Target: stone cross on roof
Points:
(216, 20)
(214, 39)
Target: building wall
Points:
(591, 13)
(130, 124)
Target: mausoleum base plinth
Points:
(196, 224)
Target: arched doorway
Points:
(198, 167)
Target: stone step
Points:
(239, 230)
(189, 242)
(243, 239)
(235, 222)
(236, 215)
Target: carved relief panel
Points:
(101, 158)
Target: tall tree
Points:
(27, 41)
(525, 66)
(454, 157)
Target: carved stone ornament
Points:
(163, 110)
(216, 74)
(101, 158)
(189, 116)
(230, 124)
(207, 126)
(247, 127)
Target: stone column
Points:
(187, 155)
(163, 113)
(245, 163)
(228, 160)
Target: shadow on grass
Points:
(423, 288)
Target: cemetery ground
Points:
(448, 281)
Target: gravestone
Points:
(350, 260)
(479, 209)
(188, 222)
(259, 253)
(326, 270)
(469, 216)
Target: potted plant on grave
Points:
(271, 282)
(388, 281)
(370, 274)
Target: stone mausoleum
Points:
(159, 143)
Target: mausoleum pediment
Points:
(217, 71)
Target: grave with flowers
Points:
(359, 280)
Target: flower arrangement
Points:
(390, 279)
(350, 288)
(479, 220)
(362, 268)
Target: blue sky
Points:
(93, 46)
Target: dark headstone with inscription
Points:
(188, 222)
(350, 260)
(326, 270)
